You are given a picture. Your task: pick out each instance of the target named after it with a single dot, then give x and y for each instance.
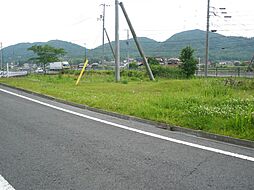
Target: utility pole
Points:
(117, 46)
(103, 28)
(1, 56)
(7, 70)
(208, 31)
(207, 38)
(148, 69)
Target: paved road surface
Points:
(63, 147)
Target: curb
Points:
(197, 133)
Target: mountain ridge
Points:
(221, 48)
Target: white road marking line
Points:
(4, 185)
(236, 155)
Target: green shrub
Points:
(124, 81)
(133, 74)
(133, 65)
(166, 72)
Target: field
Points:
(216, 105)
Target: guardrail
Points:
(13, 73)
(221, 72)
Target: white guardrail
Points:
(13, 73)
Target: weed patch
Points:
(205, 104)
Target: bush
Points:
(133, 74)
(166, 72)
(133, 65)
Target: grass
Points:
(212, 105)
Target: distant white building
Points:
(226, 63)
(173, 61)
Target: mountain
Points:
(147, 44)
(220, 48)
(19, 53)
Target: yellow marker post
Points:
(82, 71)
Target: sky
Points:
(77, 21)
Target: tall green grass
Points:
(212, 105)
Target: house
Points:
(174, 61)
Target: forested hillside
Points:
(221, 48)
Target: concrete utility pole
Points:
(149, 71)
(1, 56)
(117, 46)
(103, 28)
(207, 39)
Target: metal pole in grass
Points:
(117, 45)
(207, 38)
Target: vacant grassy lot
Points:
(222, 106)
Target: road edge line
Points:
(4, 185)
(202, 147)
(197, 133)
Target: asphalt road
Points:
(44, 147)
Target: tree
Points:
(46, 54)
(189, 63)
